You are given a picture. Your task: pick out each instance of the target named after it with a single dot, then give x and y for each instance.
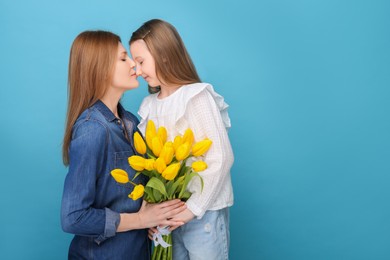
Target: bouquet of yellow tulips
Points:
(165, 163)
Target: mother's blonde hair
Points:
(91, 66)
(173, 63)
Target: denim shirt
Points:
(92, 200)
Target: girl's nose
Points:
(132, 63)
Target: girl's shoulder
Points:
(204, 94)
(191, 90)
(204, 91)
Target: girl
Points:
(180, 101)
(98, 138)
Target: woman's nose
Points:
(138, 71)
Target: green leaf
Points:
(183, 168)
(168, 186)
(172, 189)
(157, 195)
(200, 177)
(186, 195)
(157, 184)
(149, 195)
(188, 178)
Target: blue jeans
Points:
(203, 239)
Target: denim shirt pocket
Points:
(121, 161)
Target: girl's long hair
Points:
(173, 63)
(91, 66)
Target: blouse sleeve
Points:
(87, 153)
(205, 119)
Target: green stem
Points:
(135, 184)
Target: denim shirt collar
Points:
(106, 112)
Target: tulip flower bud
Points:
(150, 133)
(149, 164)
(138, 192)
(139, 143)
(177, 142)
(150, 127)
(201, 147)
(171, 171)
(183, 151)
(120, 175)
(188, 137)
(199, 166)
(160, 165)
(162, 133)
(137, 162)
(157, 145)
(167, 152)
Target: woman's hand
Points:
(161, 214)
(152, 215)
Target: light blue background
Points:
(308, 84)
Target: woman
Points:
(98, 138)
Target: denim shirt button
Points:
(118, 121)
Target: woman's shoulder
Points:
(89, 123)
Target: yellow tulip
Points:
(120, 176)
(183, 151)
(162, 133)
(160, 165)
(137, 162)
(171, 171)
(149, 164)
(177, 142)
(150, 133)
(188, 137)
(201, 147)
(139, 143)
(167, 152)
(138, 192)
(150, 127)
(157, 145)
(149, 138)
(199, 166)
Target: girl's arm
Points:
(205, 120)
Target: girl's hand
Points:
(184, 216)
(151, 232)
(161, 214)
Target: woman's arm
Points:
(87, 152)
(152, 215)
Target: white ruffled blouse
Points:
(199, 107)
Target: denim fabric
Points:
(92, 199)
(203, 239)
